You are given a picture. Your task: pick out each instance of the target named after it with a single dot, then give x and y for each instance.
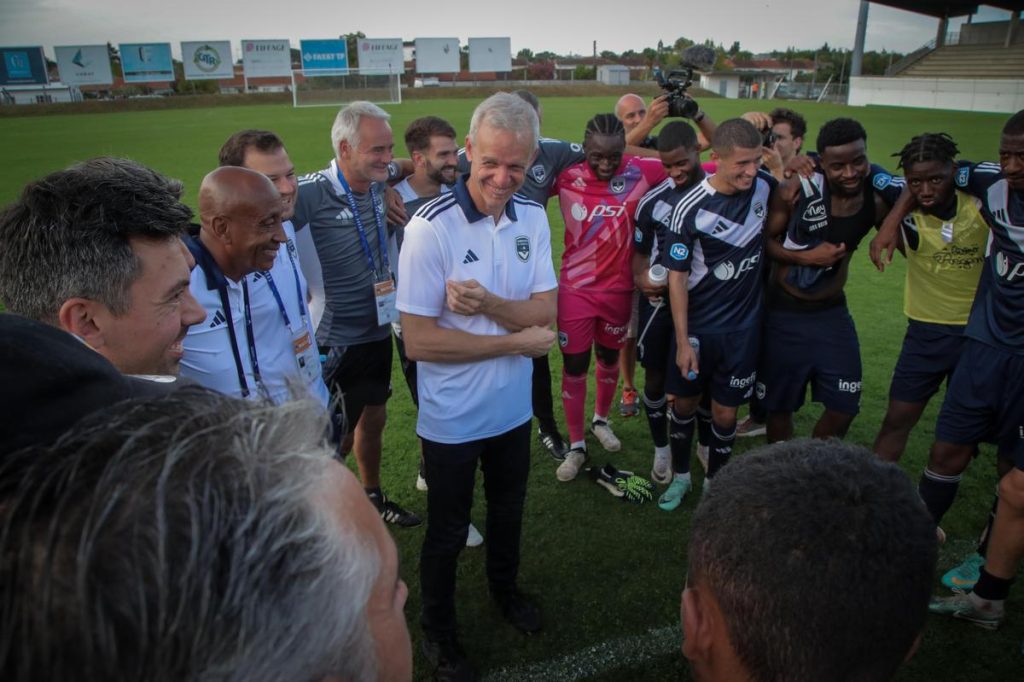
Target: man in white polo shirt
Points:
(477, 295)
(257, 340)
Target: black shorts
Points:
(653, 349)
(819, 348)
(728, 364)
(361, 373)
(929, 356)
(985, 401)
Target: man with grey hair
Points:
(195, 537)
(553, 156)
(477, 297)
(342, 206)
(96, 250)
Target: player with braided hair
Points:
(985, 396)
(598, 198)
(944, 243)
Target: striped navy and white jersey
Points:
(999, 304)
(653, 217)
(553, 157)
(719, 240)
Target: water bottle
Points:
(695, 344)
(658, 275)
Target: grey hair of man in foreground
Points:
(181, 539)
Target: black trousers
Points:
(543, 403)
(451, 470)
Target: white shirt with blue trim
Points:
(449, 239)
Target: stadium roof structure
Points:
(949, 8)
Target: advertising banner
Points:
(380, 55)
(437, 55)
(490, 54)
(324, 55)
(84, 65)
(146, 62)
(22, 66)
(266, 58)
(207, 60)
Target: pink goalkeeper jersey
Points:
(599, 217)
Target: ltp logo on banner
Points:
(324, 55)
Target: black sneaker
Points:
(392, 512)
(519, 611)
(450, 660)
(552, 440)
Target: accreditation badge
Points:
(307, 356)
(386, 297)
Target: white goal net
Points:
(326, 87)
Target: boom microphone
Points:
(698, 58)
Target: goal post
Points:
(332, 87)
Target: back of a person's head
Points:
(821, 559)
(180, 539)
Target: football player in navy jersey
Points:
(714, 253)
(809, 337)
(985, 398)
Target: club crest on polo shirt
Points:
(538, 173)
(759, 209)
(617, 185)
(523, 248)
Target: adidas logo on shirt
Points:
(470, 257)
(218, 319)
(720, 228)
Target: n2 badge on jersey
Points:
(523, 248)
(679, 252)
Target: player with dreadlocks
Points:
(598, 198)
(944, 243)
(985, 397)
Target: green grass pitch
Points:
(608, 575)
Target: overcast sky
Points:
(561, 26)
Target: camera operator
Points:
(783, 131)
(639, 120)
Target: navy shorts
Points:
(985, 401)
(728, 364)
(655, 347)
(929, 356)
(817, 347)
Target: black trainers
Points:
(451, 664)
(392, 512)
(552, 440)
(519, 611)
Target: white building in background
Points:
(39, 94)
(613, 74)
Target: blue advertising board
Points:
(323, 55)
(146, 62)
(22, 66)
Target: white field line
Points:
(598, 658)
